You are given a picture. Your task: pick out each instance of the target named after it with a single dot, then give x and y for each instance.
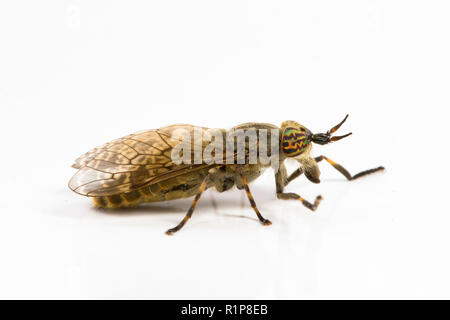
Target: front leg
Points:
(294, 196)
(294, 175)
(344, 171)
(281, 180)
(281, 177)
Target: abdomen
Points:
(183, 186)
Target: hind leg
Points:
(191, 209)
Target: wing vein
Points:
(162, 151)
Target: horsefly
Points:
(181, 161)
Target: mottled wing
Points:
(130, 163)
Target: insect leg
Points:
(294, 175)
(281, 177)
(253, 204)
(191, 209)
(294, 196)
(281, 181)
(347, 174)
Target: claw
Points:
(170, 232)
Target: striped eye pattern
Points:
(293, 142)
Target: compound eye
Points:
(294, 141)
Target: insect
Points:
(140, 168)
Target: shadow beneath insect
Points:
(240, 217)
(326, 180)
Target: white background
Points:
(75, 74)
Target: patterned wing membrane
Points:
(129, 163)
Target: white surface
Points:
(75, 74)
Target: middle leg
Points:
(253, 204)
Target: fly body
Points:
(147, 167)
